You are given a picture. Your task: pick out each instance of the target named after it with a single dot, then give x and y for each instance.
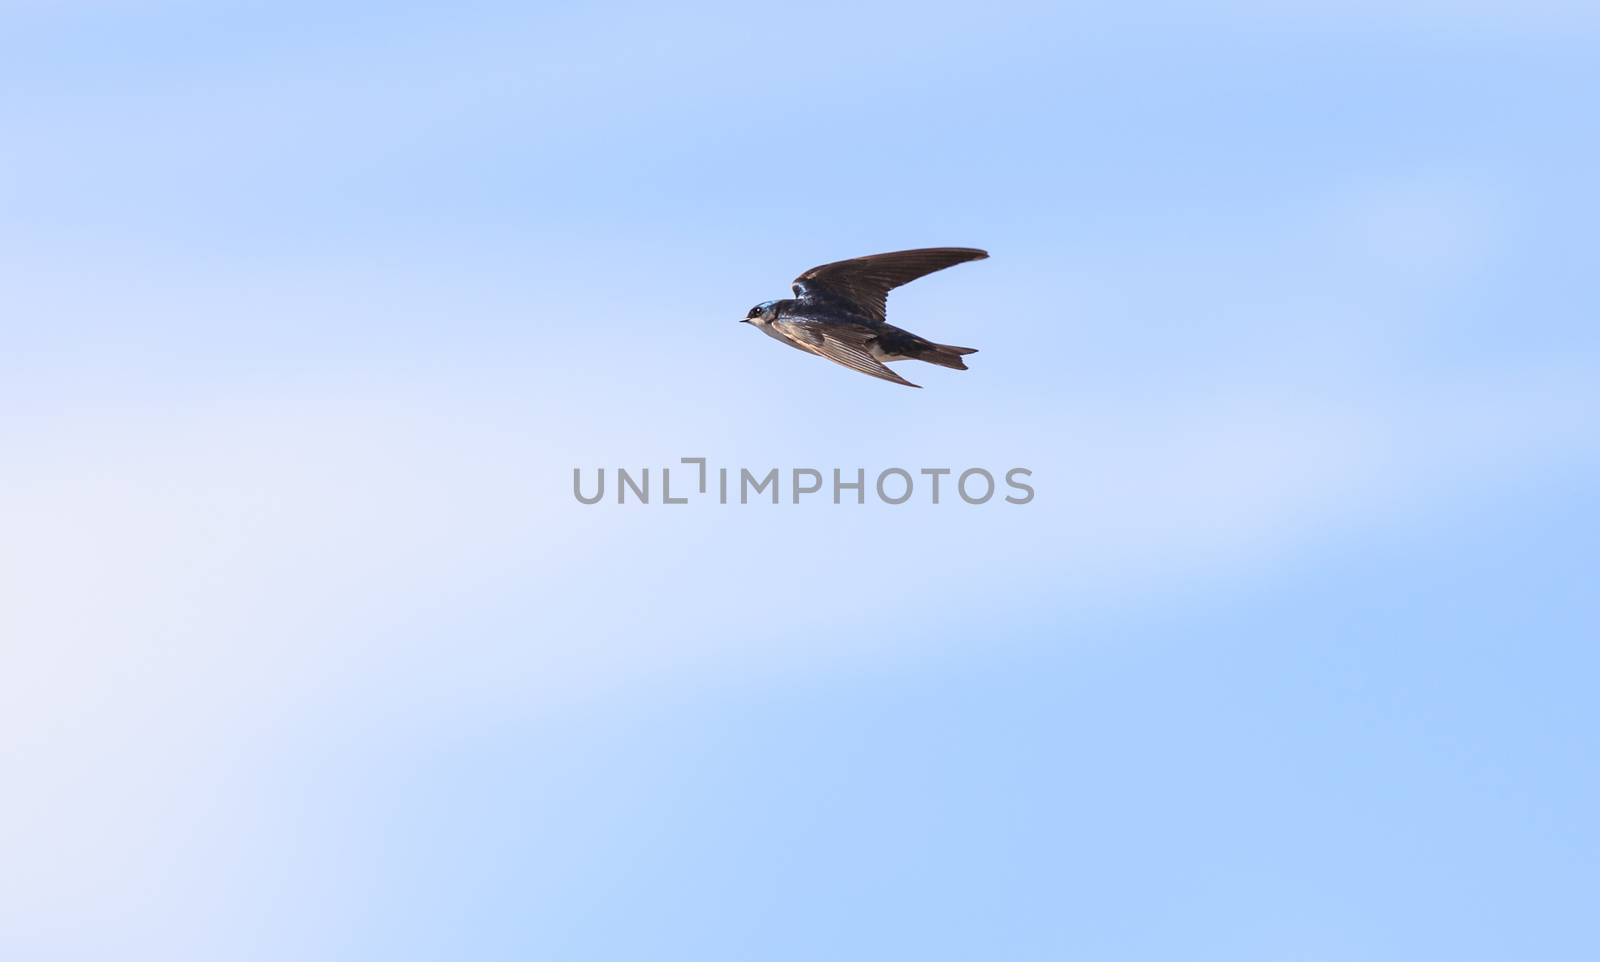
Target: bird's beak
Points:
(744, 320)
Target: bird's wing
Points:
(865, 282)
(841, 344)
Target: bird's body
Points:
(838, 312)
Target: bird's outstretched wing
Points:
(842, 344)
(865, 282)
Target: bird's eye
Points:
(753, 312)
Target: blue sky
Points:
(310, 310)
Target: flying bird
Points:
(837, 312)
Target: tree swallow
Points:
(837, 312)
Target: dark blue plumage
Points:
(838, 312)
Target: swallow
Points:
(837, 312)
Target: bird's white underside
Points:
(766, 327)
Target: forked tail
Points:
(945, 355)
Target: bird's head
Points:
(761, 315)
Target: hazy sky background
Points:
(308, 310)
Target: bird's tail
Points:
(945, 355)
